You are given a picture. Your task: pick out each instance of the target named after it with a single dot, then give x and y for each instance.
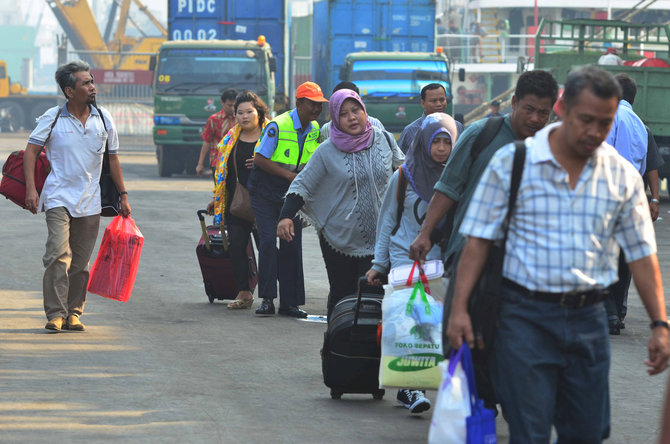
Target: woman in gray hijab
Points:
(412, 187)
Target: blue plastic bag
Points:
(481, 424)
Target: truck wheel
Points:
(11, 117)
(165, 161)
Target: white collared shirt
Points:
(562, 239)
(75, 152)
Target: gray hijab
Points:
(421, 170)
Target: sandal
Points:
(239, 304)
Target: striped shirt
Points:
(562, 239)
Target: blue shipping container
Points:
(345, 26)
(237, 20)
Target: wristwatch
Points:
(664, 324)
(654, 200)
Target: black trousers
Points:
(238, 239)
(616, 302)
(343, 272)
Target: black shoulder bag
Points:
(110, 198)
(484, 302)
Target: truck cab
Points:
(190, 77)
(390, 83)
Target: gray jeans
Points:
(70, 243)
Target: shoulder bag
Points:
(110, 198)
(240, 205)
(484, 301)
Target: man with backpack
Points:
(535, 94)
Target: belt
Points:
(570, 299)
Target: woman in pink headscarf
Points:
(340, 192)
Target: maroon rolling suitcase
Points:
(215, 263)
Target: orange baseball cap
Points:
(311, 91)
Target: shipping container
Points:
(237, 20)
(346, 26)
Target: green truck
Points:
(391, 82)
(563, 45)
(189, 78)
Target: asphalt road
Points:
(168, 366)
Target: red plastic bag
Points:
(115, 268)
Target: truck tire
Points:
(12, 117)
(166, 160)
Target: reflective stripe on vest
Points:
(288, 155)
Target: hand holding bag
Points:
(240, 205)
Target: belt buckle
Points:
(582, 300)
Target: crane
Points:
(122, 51)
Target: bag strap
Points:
(237, 176)
(51, 128)
(104, 125)
(486, 135)
(418, 288)
(517, 172)
(400, 198)
(468, 368)
(422, 276)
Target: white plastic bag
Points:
(411, 340)
(452, 406)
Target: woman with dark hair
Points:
(340, 192)
(236, 154)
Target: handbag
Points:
(240, 205)
(110, 198)
(484, 301)
(13, 184)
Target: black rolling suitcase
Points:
(350, 354)
(215, 265)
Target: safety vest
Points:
(288, 155)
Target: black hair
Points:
(598, 81)
(628, 87)
(347, 85)
(256, 102)
(430, 87)
(458, 117)
(65, 74)
(229, 94)
(537, 82)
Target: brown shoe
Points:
(55, 324)
(73, 323)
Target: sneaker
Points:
(414, 400)
(74, 324)
(55, 324)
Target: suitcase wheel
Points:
(335, 394)
(378, 394)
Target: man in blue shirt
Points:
(630, 138)
(285, 147)
(433, 100)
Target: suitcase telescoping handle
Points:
(361, 282)
(205, 234)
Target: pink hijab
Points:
(343, 141)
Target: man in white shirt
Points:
(75, 138)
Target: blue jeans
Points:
(551, 366)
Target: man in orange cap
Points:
(285, 147)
